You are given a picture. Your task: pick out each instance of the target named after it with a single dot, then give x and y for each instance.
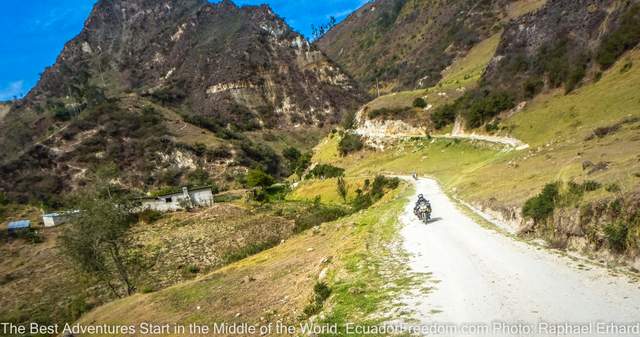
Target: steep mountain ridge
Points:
(223, 68)
(396, 45)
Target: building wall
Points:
(201, 198)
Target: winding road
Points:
(478, 275)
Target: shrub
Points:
(616, 235)
(325, 171)
(316, 215)
(342, 188)
(350, 143)
(149, 216)
(591, 185)
(259, 178)
(321, 292)
(482, 107)
(250, 249)
(297, 161)
(193, 269)
(532, 87)
(419, 102)
(443, 115)
(540, 207)
(612, 188)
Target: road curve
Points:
(479, 275)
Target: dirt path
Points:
(508, 141)
(479, 275)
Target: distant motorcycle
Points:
(422, 209)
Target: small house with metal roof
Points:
(20, 225)
(187, 198)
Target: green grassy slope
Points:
(556, 126)
(354, 250)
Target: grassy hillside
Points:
(463, 74)
(589, 136)
(39, 284)
(352, 255)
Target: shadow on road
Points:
(432, 220)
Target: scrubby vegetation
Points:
(419, 102)
(371, 194)
(476, 107)
(623, 38)
(321, 293)
(325, 171)
(350, 142)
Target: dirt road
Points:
(479, 275)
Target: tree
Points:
(419, 102)
(292, 155)
(98, 244)
(103, 175)
(259, 178)
(342, 188)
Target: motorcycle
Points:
(423, 212)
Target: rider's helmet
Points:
(420, 196)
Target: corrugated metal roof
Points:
(19, 224)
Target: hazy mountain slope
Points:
(406, 44)
(139, 66)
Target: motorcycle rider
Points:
(422, 202)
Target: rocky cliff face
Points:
(225, 68)
(240, 65)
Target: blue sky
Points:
(34, 31)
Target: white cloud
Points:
(12, 90)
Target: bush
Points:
(616, 235)
(419, 102)
(297, 161)
(321, 292)
(590, 185)
(250, 249)
(350, 143)
(443, 116)
(149, 216)
(259, 178)
(364, 200)
(316, 215)
(479, 108)
(540, 207)
(325, 171)
(612, 188)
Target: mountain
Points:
(139, 67)
(399, 44)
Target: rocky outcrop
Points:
(580, 229)
(379, 132)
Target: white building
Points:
(197, 197)
(58, 218)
